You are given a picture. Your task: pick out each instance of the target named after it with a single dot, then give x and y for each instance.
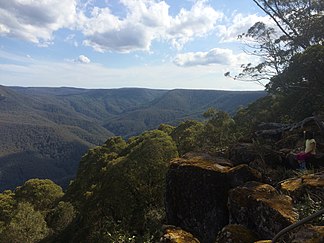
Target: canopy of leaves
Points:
(301, 84)
(299, 23)
(61, 216)
(126, 183)
(26, 225)
(187, 136)
(43, 194)
(33, 211)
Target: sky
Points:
(155, 44)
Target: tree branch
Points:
(277, 22)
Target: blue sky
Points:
(125, 43)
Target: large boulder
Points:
(261, 208)
(197, 192)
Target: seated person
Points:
(310, 150)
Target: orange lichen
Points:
(177, 235)
(203, 164)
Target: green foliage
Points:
(300, 84)
(61, 216)
(263, 110)
(166, 128)
(219, 130)
(7, 205)
(42, 194)
(300, 24)
(187, 136)
(126, 183)
(26, 225)
(34, 212)
(213, 135)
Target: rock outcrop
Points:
(197, 192)
(261, 208)
(223, 197)
(311, 183)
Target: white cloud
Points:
(35, 21)
(197, 22)
(105, 31)
(4, 29)
(219, 56)
(146, 21)
(240, 24)
(83, 59)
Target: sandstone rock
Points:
(312, 183)
(261, 208)
(207, 157)
(235, 233)
(177, 235)
(197, 192)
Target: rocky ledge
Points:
(210, 200)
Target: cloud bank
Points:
(145, 21)
(36, 21)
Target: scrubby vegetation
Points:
(33, 212)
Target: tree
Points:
(61, 216)
(300, 24)
(219, 130)
(27, 225)
(121, 191)
(43, 194)
(301, 85)
(7, 206)
(300, 21)
(188, 136)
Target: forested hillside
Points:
(45, 131)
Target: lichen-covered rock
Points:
(311, 183)
(261, 208)
(173, 234)
(197, 192)
(207, 157)
(235, 233)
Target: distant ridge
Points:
(45, 131)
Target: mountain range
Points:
(45, 131)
